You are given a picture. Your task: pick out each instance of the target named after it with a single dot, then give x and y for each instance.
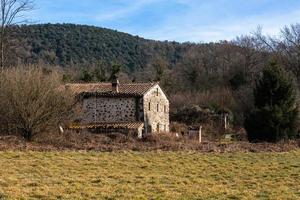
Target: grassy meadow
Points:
(149, 175)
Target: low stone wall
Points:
(127, 132)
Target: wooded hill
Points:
(70, 44)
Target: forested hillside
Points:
(69, 44)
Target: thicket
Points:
(32, 101)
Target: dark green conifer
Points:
(275, 114)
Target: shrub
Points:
(191, 114)
(194, 106)
(238, 80)
(31, 101)
(275, 114)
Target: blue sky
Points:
(178, 20)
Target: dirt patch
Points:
(119, 142)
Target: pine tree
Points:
(275, 114)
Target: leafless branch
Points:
(12, 13)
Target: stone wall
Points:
(156, 111)
(101, 109)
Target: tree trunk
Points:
(27, 135)
(2, 48)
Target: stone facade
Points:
(156, 111)
(103, 109)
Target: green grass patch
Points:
(149, 175)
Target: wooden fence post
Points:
(200, 134)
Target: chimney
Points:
(115, 85)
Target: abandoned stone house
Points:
(140, 108)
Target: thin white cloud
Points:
(184, 29)
(125, 11)
(188, 20)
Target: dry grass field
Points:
(149, 175)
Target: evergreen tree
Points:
(115, 70)
(85, 76)
(275, 114)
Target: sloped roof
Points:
(105, 89)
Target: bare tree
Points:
(263, 42)
(160, 66)
(285, 48)
(12, 13)
(289, 48)
(33, 101)
(252, 54)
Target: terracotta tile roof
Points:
(114, 125)
(105, 89)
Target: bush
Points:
(197, 106)
(191, 115)
(238, 80)
(275, 116)
(31, 101)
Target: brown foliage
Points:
(118, 142)
(31, 101)
(223, 97)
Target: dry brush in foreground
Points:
(118, 142)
